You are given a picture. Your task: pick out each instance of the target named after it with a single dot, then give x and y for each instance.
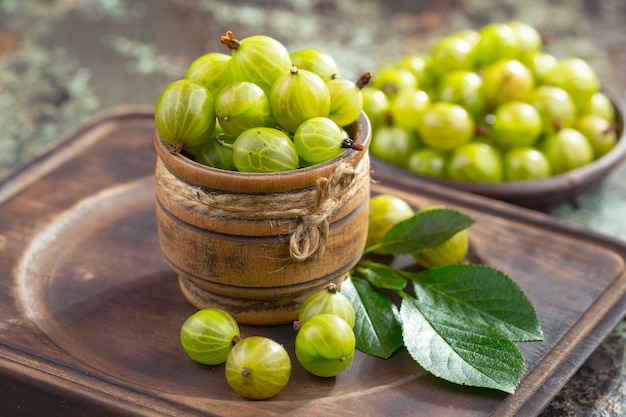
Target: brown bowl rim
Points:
(201, 175)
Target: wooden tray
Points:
(90, 312)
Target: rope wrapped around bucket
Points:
(312, 208)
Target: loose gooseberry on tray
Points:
(385, 211)
(327, 301)
(258, 367)
(325, 345)
(208, 336)
(452, 251)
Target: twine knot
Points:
(310, 209)
(310, 235)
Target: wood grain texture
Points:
(90, 311)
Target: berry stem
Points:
(221, 142)
(364, 79)
(176, 148)
(612, 128)
(331, 288)
(348, 143)
(482, 131)
(229, 40)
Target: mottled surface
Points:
(62, 61)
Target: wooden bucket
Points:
(256, 245)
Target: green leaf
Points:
(382, 276)
(481, 293)
(425, 230)
(459, 349)
(378, 330)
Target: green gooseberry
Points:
(421, 66)
(528, 38)
(264, 149)
(452, 251)
(446, 126)
(601, 105)
(427, 161)
(385, 211)
(407, 108)
(258, 368)
(475, 162)
(208, 336)
(556, 107)
(327, 301)
(506, 80)
(258, 59)
(212, 70)
(297, 96)
(516, 123)
(497, 41)
(575, 76)
(184, 114)
(325, 345)
(567, 149)
(526, 163)
(318, 140)
(376, 105)
(346, 99)
(212, 154)
(600, 132)
(452, 53)
(317, 61)
(392, 144)
(540, 63)
(463, 87)
(392, 79)
(241, 106)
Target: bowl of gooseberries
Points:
(262, 176)
(495, 112)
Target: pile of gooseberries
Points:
(260, 108)
(489, 105)
(259, 367)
